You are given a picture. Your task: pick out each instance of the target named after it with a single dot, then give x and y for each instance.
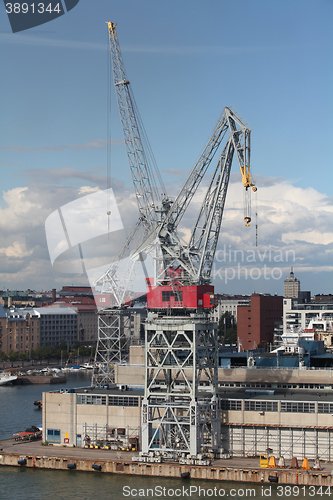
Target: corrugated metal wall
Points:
(278, 441)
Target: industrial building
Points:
(287, 411)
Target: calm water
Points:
(17, 412)
(33, 484)
(17, 409)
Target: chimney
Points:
(54, 295)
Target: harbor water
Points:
(17, 412)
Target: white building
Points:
(300, 315)
(229, 304)
(53, 325)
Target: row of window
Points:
(231, 404)
(261, 406)
(17, 346)
(286, 406)
(96, 399)
(325, 408)
(61, 322)
(123, 401)
(295, 407)
(90, 399)
(236, 404)
(278, 386)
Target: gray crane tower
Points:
(181, 411)
(114, 324)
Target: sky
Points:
(186, 61)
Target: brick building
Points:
(19, 331)
(256, 322)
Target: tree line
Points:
(59, 351)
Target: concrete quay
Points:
(235, 469)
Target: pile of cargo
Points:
(31, 434)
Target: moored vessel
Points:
(7, 378)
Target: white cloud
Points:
(17, 250)
(20, 212)
(293, 221)
(88, 190)
(309, 237)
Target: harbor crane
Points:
(143, 168)
(180, 413)
(114, 324)
(181, 406)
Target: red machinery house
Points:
(189, 297)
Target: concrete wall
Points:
(130, 375)
(251, 474)
(277, 376)
(137, 355)
(61, 412)
(135, 375)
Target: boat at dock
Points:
(87, 366)
(7, 378)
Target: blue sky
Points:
(186, 60)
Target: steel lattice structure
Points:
(179, 413)
(114, 329)
(195, 259)
(143, 167)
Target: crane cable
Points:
(256, 203)
(108, 138)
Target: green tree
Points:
(227, 329)
(13, 356)
(23, 356)
(3, 356)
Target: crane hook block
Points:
(247, 221)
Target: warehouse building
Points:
(286, 412)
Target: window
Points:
(166, 295)
(325, 408)
(261, 406)
(123, 401)
(295, 407)
(53, 435)
(232, 404)
(89, 399)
